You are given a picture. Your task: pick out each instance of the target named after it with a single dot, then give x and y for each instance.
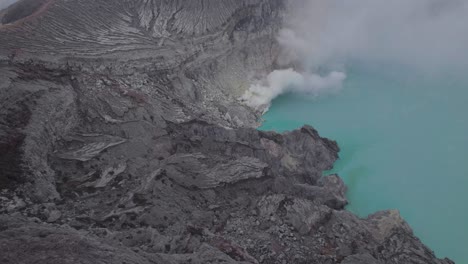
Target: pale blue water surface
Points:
(403, 139)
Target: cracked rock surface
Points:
(122, 140)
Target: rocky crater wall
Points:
(122, 140)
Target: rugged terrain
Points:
(122, 140)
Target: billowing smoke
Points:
(6, 3)
(427, 34)
(281, 81)
(329, 35)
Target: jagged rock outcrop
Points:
(122, 140)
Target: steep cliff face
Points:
(123, 141)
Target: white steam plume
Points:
(281, 81)
(426, 35)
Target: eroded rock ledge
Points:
(122, 141)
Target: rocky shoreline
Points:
(122, 140)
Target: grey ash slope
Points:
(122, 141)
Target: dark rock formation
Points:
(122, 140)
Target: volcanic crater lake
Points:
(403, 139)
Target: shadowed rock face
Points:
(122, 141)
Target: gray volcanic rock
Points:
(122, 140)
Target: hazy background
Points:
(426, 34)
(6, 3)
(324, 36)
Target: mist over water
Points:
(403, 139)
(398, 110)
(324, 36)
(424, 34)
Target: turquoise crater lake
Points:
(403, 139)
